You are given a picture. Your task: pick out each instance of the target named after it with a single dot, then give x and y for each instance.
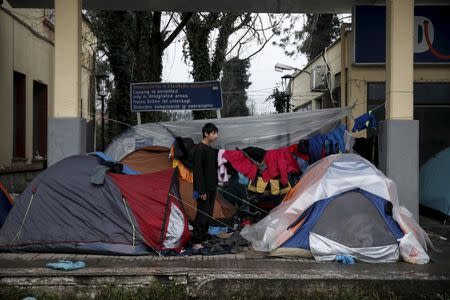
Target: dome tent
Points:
(62, 211)
(342, 205)
(6, 203)
(434, 183)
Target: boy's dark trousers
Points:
(205, 209)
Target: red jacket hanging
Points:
(241, 163)
(279, 163)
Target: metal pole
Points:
(219, 115)
(103, 122)
(138, 118)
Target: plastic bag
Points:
(411, 251)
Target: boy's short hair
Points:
(208, 128)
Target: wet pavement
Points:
(240, 273)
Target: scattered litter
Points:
(345, 259)
(216, 230)
(67, 265)
(430, 234)
(225, 235)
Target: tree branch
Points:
(168, 22)
(246, 20)
(260, 49)
(185, 19)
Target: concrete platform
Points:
(246, 275)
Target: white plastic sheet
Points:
(268, 132)
(324, 249)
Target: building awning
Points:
(273, 6)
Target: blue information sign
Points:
(431, 34)
(206, 95)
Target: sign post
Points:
(157, 96)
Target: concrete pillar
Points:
(399, 59)
(66, 129)
(399, 134)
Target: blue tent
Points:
(355, 222)
(6, 204)
(435, 182)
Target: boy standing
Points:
(205, 183)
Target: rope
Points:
(377, 107)
(136, 231)
(217, 220)
(24, 219)
(260, 209)
(123, 123)
(131, 222)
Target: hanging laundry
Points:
(258, 185)
(260, 164)
(316, 145)
(365, 121)
(183, 172)
(222, 174)
(255, 153)
(184, 151)
(300, 150)
(279, 163)
(243, 179)
(330, 143)
(336, 137)
(241, 163)
(274, 186)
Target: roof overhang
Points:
(262, 6)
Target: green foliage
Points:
(235, 81)
(281, 100)
(318, 32)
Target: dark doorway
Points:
(40, 115)
(431, 108)
(19, 117)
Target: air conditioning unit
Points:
(319, 78)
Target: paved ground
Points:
(246, 274)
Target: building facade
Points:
(27, 70)
(347, 84)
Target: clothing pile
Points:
(223, 243)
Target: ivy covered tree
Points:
(208, 42)
(235, 82)
(281, 100)
(318, 32)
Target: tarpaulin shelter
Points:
(145, 147)
(61, 210)
(342, 205)
(435, 183)
(6, 203)
(266, 132)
